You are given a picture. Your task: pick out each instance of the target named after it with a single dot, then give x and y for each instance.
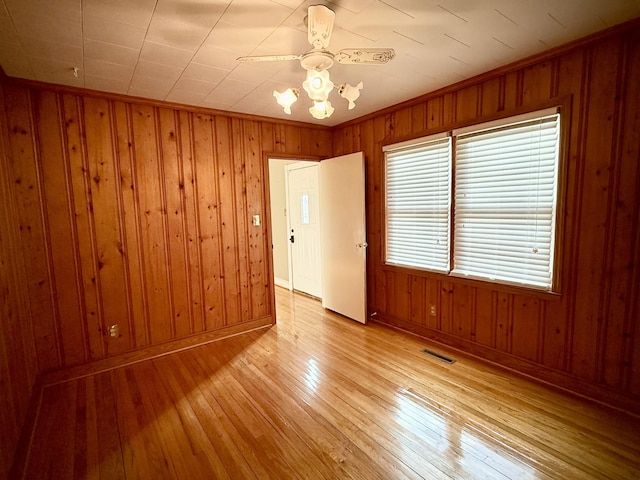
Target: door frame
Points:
(266, 156)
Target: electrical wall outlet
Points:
(114, 330)
(432, 310)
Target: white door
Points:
(304, 228)
(344, 236)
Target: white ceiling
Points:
(185, 50)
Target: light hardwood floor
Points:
(319, 396)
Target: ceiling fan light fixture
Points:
(350, 93)
(321, 109)
(318, 85)
(320, 20)
(317, 61)
(287, 98)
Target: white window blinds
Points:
(505, 198)
(418, 203)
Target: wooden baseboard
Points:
(105, 364)
(555, 379)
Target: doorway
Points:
(335, 267)
(279, 210)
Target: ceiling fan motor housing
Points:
(317, 60)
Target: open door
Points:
(343, 235)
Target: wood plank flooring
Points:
(319, 396)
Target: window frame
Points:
(563, 107)
(437, 138)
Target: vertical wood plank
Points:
(242, 215)
(435, 113)
(348, 140)
(208, 203)
(555, 335)
(504, 322)
(417, 295)
(338, 143)
(449, 108)
(22, 163)
(269, 142)
(446, 307)
(433, 289)
(235, 296)
(467, 103)
(58, 198)
(278, 131)
(525, 327)
(357, 138)
(192, 215)
(175, 207)
(129, 181)
(512, 90)
(418, 118)
(152, 221)
(485, 324)
(402, 122)
(292, 139)
(492, 96)
(618, 364)
(375, 211)
(108, 233)
(371, 192)
(536, 82)
(125, 340)
(598, 124)
(18, 367)
(320, 142)
(401, 299)
(257, 244)
(82, 209)
(463, 301)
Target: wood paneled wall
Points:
(115, 211)
(139, 215)
(18, 370)
(590, 333)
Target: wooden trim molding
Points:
(155, 351)
(85, 92)
(538, 373)
(512, 67)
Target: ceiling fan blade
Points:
(320, 25)
(267, 58)
(365, 56)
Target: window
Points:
(418, 203)
(497, 221)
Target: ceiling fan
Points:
(318, 60)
